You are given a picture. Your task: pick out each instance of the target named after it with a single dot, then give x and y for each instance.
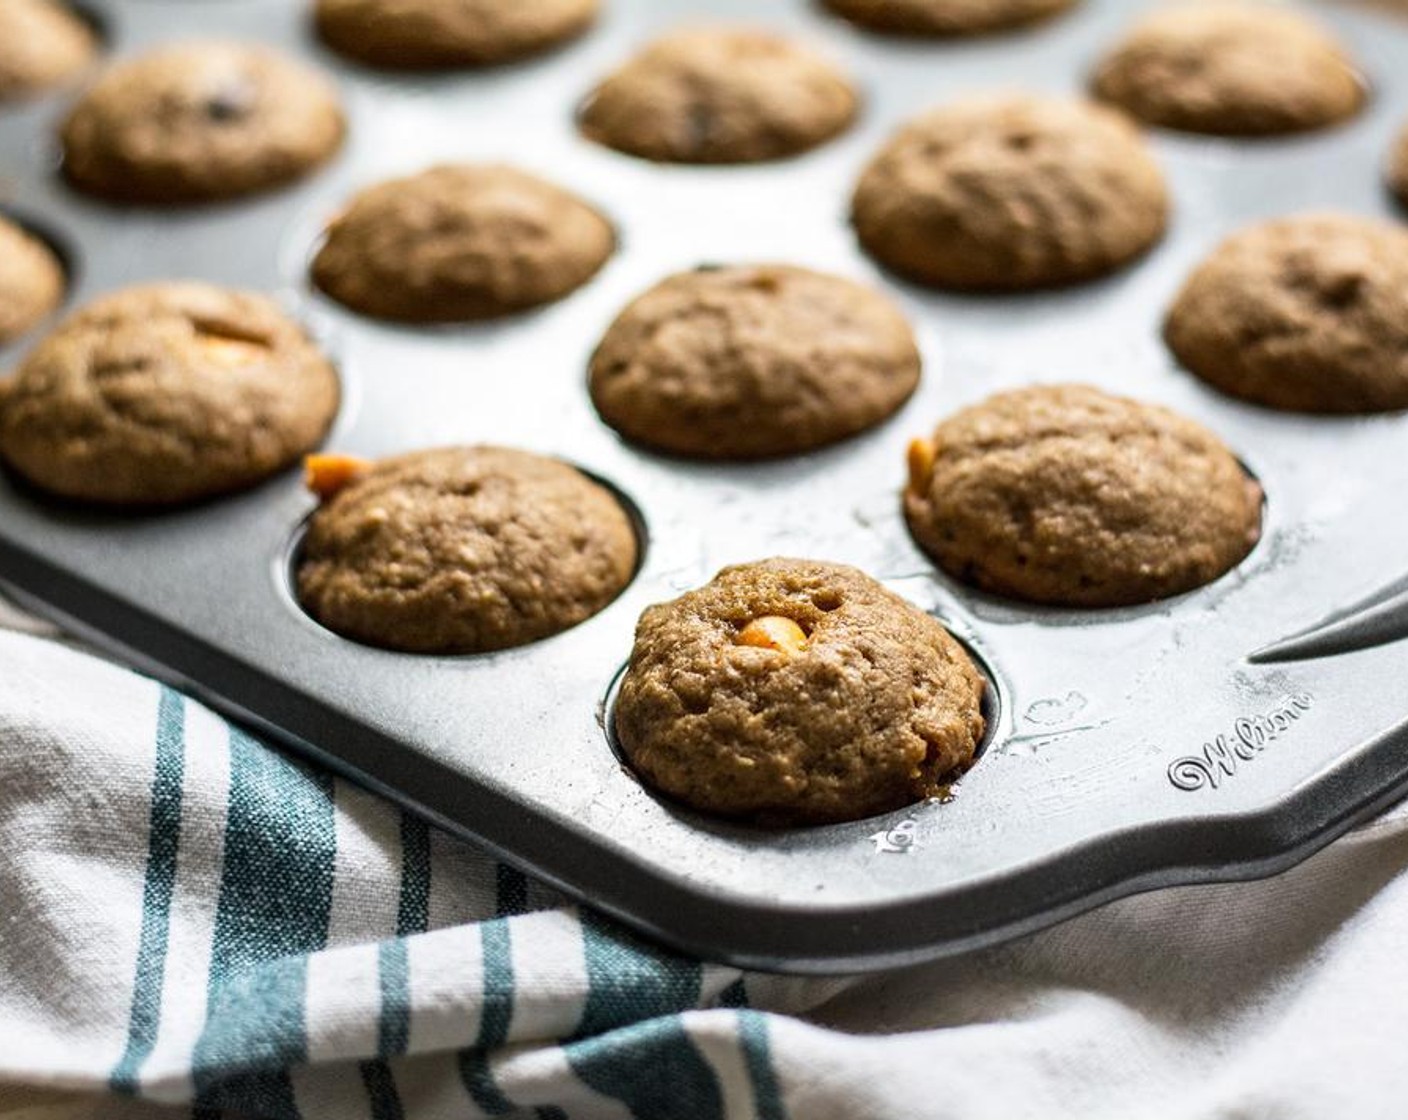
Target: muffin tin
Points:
(1179, 742)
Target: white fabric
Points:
(1281, 999)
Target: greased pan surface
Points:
(1130, 749)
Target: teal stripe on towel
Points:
(412, 917)
(274, 905)
(495, 1017)
(254, 1031)
(630, 981)
(653, 1068)
(393, 1028)
(413, 911)
(632, 1045)
(162, 843)
(280, 850)
(735, 995)
(393, 970)
(753, 1034)
(381, 1091)
(513, 891)
(498, 983)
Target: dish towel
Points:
(195, 925)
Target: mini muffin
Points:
(43, 44)
(1068, 496)
(1230, 69)
(462, 550)
(1010, 193)
(32, 281)
(460, 243)
(753, 361)
(720, 95)
(1398, 167)
(166, 393)
(797, 692)
(946, 17)
(198, 122)
(438, 34)
(1305, 314)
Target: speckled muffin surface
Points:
(32, 281)
(43, 44)
(1304, 314)
(946, 17)
(1009, 193)
(753, 361)
(464, 550)
(460, 243)
(438, 34)
(1068, 496)
(1230, 69)
(720, 95)
(164, 394)
(200, 122)
(797, 692)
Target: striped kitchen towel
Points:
(194, 925)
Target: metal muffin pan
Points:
(1130, 749)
